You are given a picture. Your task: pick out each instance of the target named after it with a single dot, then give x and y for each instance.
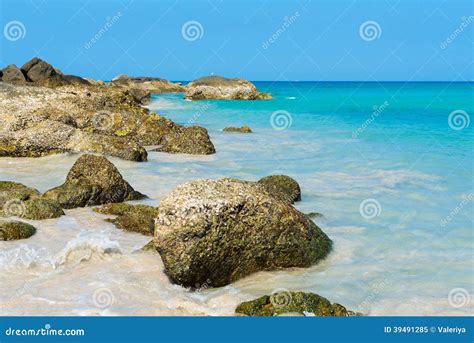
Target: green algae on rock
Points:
(38, 209)
(243, 129)
(92, 180)
(283, 187)
(217, 231)
(13, 230)
(134, 218)
(280, 303)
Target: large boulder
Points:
(92, 180)
(134, 218)
(218, 87)
(13, 230)
(282, 187)
(217, 231)
(283, 302)
(12, 74)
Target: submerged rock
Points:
(13, 230)
(283, 187)
(92, 180)
(283, 302)
(243, 129)
(135, 218)
(193, 139)
(38, 209)
(17, 200)
(313, 215)
(219, 231)
(218, 87)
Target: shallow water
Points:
(403, 261)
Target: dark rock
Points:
(216, 232)
(191, 140)
(92, 180)
(38, 70)
(282, 187)
(284, 302)
(13, 230)
(38, 209)
(313, 215)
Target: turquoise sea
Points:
(388, 165)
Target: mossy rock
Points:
(13, 190)
(283, 302)
(218, 231)
(313, 215)
(134, 218)
(283, 187)
(38, 209)
(92, 180)
(13, 230)
(243, 129)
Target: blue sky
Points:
(259, 40)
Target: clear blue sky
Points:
(322, 40)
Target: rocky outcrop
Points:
(13, 230)
(11, 73)
(17, 200)
(283, 187)
(243, 129)
(37, 121)
(286, 302)
(92, 180)
(216, 232)
(217, 87)
(134, 218)
(148, 84)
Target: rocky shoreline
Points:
(211, 232)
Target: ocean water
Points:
(389, 165)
